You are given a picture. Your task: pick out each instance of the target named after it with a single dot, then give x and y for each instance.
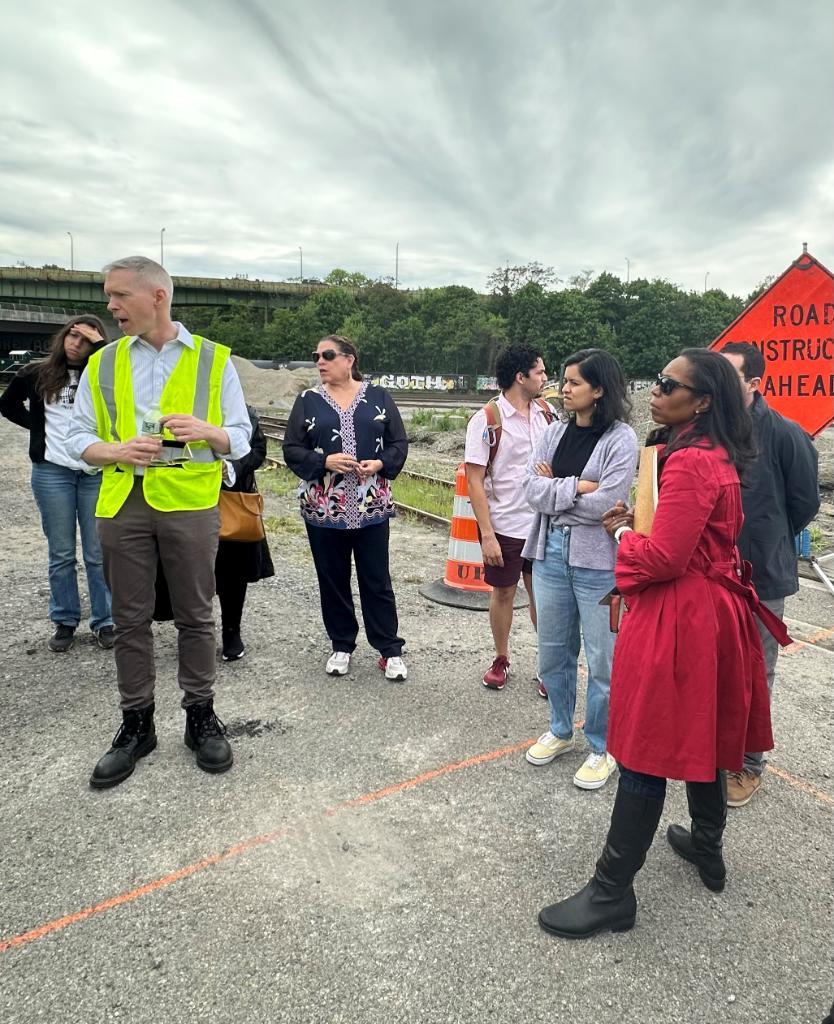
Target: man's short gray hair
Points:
(154, 273)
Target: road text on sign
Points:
(793, 325)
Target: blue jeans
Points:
(755, 761)
(65, 496)
(567, 598)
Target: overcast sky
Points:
(689, 136)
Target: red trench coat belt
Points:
(737, 580)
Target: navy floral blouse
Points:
(370, 428)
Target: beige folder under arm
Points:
(646, 501)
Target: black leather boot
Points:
(233, 649)
(135, 738)
(205, 734)
(608, 903)
(702, 846)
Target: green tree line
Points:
(456, 330)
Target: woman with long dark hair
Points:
(689, 687)
(40, 399)
(582, 464)
(346, 441)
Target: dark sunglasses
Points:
(666, 385)
(329, 355)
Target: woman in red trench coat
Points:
(688, 686)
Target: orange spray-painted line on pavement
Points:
(806, 787)
(266, 838)
(245, 846)
(810, 640)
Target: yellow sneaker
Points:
(547, 748)
(595, 771)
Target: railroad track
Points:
(423, 477)
(274, 426)
(418, 513)
(432, 401)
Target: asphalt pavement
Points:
(379, 851)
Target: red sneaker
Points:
(496, 675)
(540, 690)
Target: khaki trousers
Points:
(186, 542)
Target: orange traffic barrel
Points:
(463, 584)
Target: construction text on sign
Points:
(793, 325)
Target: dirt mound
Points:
(272, 388)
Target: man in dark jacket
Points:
(780, 496)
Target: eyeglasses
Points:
(666, 385)
(329, 355)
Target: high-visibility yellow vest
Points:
(193, 388)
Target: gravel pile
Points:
(272, 388)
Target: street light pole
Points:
(628, 269)
(72, 252)
(162, 248)
(705, 282)
(397, 266)
(300, 265)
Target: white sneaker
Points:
(595, 771)
(548, 747)
(338, 663)
(395, 669)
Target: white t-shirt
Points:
(57, 417)
(508, 509)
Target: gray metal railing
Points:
(33, 314)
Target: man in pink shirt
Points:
(495, 491)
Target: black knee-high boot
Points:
(702, 846)
(608, 903)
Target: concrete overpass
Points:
(57, 287)
(29, 326)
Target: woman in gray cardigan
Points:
(580, 468)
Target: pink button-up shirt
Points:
(508, 508)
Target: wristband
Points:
(620, 531)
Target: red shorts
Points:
(507, 575)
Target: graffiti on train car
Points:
(418, 381)
(432, 382)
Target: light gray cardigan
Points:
(612, 465)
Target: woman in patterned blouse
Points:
(346, 441)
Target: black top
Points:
(573, 450)
(240, 559)
(21, 390)
(254, 458)
(779, 496)
(371, 428)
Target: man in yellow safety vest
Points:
(158, 410)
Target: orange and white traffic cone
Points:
(463, 584)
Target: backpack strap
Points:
(493, 430)
(542, 403)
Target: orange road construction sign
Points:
(793, 325)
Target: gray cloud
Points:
(688, 137)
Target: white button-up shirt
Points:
(150, 370)
(509, 512)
